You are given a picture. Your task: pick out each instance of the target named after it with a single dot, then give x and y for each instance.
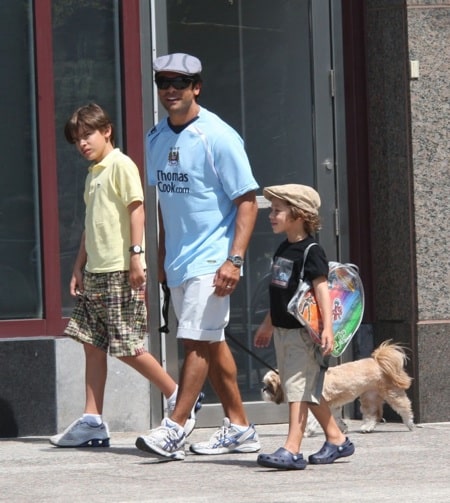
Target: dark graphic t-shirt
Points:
(286, 266)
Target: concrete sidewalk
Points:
(391, 464)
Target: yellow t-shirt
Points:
(111, 186)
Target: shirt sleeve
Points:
(128, 180)
(232, 165)
(316, 263)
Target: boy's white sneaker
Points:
(167, 441)
(229, 439)
(82, 434)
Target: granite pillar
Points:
(409, 147)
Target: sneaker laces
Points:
(172, 439)
(221, 436)
(172, 433)
(171, 429)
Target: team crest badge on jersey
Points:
(174, 156)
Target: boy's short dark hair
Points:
(89, 117)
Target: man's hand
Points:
(226, 279)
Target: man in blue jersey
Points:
(208, 209)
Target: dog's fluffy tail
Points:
(392, 359)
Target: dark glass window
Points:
(20, 257)
(86, 69)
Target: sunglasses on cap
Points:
(175, 82)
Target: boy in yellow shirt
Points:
(109, 274)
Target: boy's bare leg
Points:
(193, 376)
(326, 420)
(95, 379)
(223, 377)
(298, 414)
(147, 365)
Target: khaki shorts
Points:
(110, 315)
(201, 314)
(300, 364)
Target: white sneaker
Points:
(229, 439)
(166, 441)
(82, 434)
(189, 425)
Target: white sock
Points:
(93, 419)
(238, 427)
(172, 399)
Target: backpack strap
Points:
(305, 256)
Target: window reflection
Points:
(20, 264)
(86, 68)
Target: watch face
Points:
(136, 249)
(236, 260)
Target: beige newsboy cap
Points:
(301, 196)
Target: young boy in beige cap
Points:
(301, 363)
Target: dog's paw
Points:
(368, 426)
(342, 425)
(309, 432)
(410, 425)
(312, 425)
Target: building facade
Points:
(349, 96)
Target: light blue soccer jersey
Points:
(198, 173)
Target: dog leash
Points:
(249, 351)
(164, 329)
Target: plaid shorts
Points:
(110, 315)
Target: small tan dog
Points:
(375, 380)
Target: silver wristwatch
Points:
(136, 249)
(236, 260)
